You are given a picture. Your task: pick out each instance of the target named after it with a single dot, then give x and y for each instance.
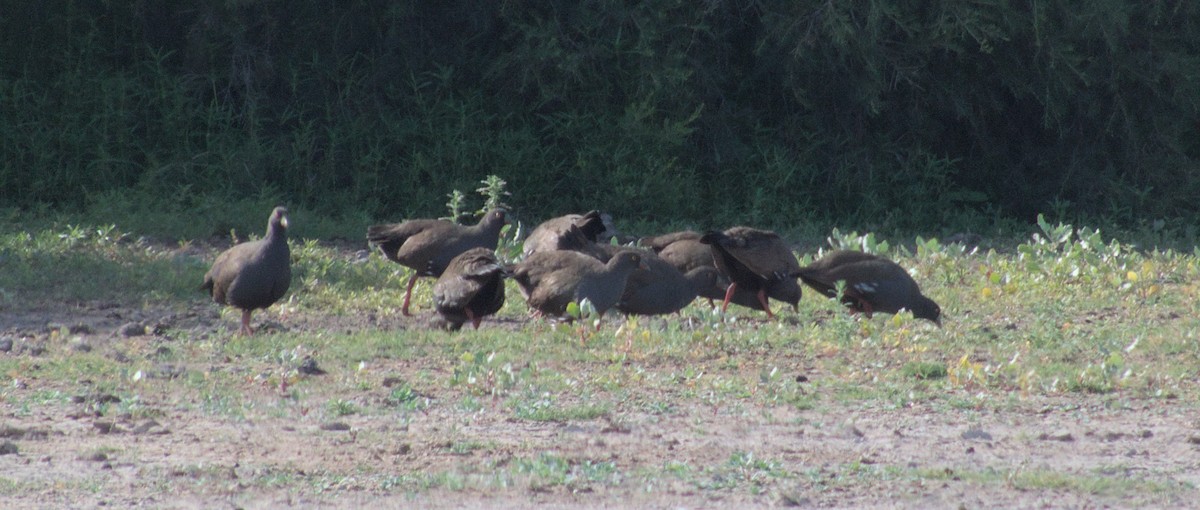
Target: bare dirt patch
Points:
(77, 444)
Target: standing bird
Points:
(754, 260)
(872, 284)
(471, 288)
(253, 275)
(685, 251)
(427, 246)
(545, 236)
(553, 279)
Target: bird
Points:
(255, 274)
(662, 289)
(872, 284)
(545, 236)
(470, 288)
(551, 280)
(754, 260)
(685, 251)
(428, 246)
(660, 242)
(575, 239)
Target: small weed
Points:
(544, 408)
(340, 407)
(924, 370)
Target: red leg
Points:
(474, 320)
(728, 295)
(408, 294)
(246, 329)
(762, 298)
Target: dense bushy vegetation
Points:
(879, 112)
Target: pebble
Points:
(976, 433)
(133, 329)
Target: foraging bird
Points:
(754, 260)
(470, 288)
(545, 236)
(685, 251)
(661, 242)
(574, 239)
(551, 280)
(428, 246)
(254, 274)
(872, 284)
(661, 288)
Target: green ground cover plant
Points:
(1065, 323)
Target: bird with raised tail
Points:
(545, 237)
(428, 246)
(754, 260)
(872, 284)
(471, 288)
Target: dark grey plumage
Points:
(253, 275)
(428, 246)
(551, 280)
(545, 236)
(872, 284)
(754, 260)
(660, 288)
(685, 251)
(470, 288)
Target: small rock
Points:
(1146, 434)
(150, 427)
(168, 371)
(106, 398)
(854, 432)
(976, 433)
(32, 348)
(1193, 439)
(8, 448)
(1065, 437)
(795, 499)
(336, 426)
(309, 367)
(132, 329)
(6, 344)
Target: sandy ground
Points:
(1080, 451)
